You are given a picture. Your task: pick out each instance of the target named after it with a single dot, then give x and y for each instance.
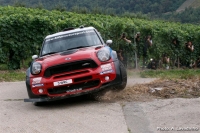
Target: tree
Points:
(19, 4)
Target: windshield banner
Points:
(69, 35)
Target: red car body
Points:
(73, 72)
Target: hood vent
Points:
(69, 52)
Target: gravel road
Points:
(163, 116)
(67, 116)
(79, 115)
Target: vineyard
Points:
(22, 31)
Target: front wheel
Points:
(123, 78)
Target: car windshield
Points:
(70, 41)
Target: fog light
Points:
(107, 78)
(41, 90)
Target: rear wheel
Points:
(123, 78)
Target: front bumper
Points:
(115, 79)
(49, 99)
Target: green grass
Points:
(133, 73)
(3, 66)
(171, 74)
(12, 76)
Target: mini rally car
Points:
(72, 63)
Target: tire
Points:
(38, 103)
(30, 93)
(123, 72)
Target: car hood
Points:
(68, 56)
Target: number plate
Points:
(63, 82)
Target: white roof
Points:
(69, 31)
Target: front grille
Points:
(71, 74)
(64, 89)
(69, 67)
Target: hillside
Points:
(196, 4)
(188, 12)
(189, 3)
(171, 10)
(186, 4)
(108, 6)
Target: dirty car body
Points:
(72, 63)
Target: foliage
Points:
(22, 31)
(119, 6)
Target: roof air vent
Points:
(82, 26)
(66, 29)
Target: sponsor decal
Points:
(68, 35)
(105, 72)
(106, 67)
(37, 80)
(37, 85)
(79, 89)
(68, 58)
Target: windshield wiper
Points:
(49, 53)
(78, 47)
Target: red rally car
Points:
(72, 63)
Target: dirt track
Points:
(147, 89)
(165, 106)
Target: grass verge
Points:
(171, 74)
(12, 76)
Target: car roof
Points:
(69, 31)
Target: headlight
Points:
(103, 54)
(36, 68)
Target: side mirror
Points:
(34, 57)
(108, 42)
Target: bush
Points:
(22, 31)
